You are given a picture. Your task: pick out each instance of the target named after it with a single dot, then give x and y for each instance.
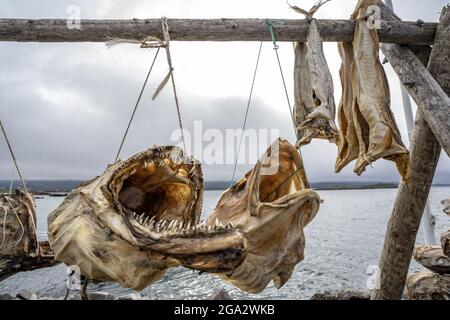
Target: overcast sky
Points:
(65, 106)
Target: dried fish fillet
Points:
(378, 133)
(348, 146)
(432, 258)
(315, 109)
(428, 286)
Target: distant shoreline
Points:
(60, 188)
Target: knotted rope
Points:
(165, 28)
(136, 105)
(153, 42)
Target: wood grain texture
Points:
(292, 30)
(425, 150)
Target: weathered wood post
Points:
(425, 150)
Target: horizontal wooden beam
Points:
(56, 30)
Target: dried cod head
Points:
(271, 205)
(377, 131)
(140, 217)
(314, 109)
(20, 249)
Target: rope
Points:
(246, 113)
(11, 184)
(165, 28)
(13, 157)
(275, 47)
(148, 42)
(136, 105)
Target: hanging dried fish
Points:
(20, 249)
(348, 146)
(271, 211)
(315, 109)
(378, 134)
(433, 258)
(427, 285)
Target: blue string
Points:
(275, 47)
(246, 113)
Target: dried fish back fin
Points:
(372, 106)
(313, 87)
(348, 146)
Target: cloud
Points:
(66, 105)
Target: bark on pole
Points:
(291, 30)
(411, 200)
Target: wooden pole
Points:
(410, 65)
(428, 94)
(292, 30)
(426, 223)
(425, 150)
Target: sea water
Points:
(342, 242)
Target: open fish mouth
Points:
(158, 193)
(160, 198)
(139, 218)
(271, 209)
